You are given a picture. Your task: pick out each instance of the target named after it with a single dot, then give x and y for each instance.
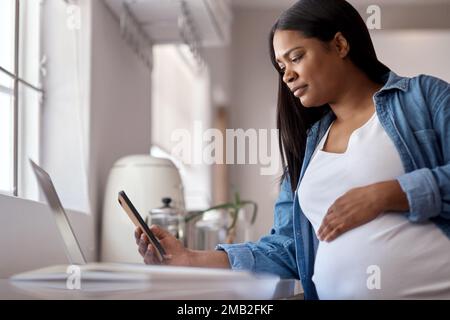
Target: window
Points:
(20, 93)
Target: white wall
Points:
(414, 38)
(254, 86)
(181, 101)
(218, 60)
(413, 52)
(120, 102)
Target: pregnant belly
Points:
(387, 258)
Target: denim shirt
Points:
(415, 113)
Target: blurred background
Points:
(88, 88)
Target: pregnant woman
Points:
(364, 206)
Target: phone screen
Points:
(134, 215)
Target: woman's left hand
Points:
(355, 208)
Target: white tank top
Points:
(387, 258)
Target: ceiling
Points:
(267, 4)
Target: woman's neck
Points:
(356, 93)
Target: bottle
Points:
(168, 218)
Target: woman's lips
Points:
(300, 91)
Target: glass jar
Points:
(168, 217)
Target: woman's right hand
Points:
(176, 253)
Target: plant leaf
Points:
(255, 209)
(218, 207)
(234, 216)
(193, 215)
(237, 198)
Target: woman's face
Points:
(311, 70)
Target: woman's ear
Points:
(341, 45)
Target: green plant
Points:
(233, 209)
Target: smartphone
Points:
(134, 215)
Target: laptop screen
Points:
(72, 247)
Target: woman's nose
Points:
(289, 76)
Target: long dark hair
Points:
(320, 19)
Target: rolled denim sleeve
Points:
(423, 194)
(275, 252)
(240, 256)
(428, 189)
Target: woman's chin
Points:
(306, 102)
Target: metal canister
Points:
(169, 218)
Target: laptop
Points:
(111, 271)
(72, 246)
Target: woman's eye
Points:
(297, 58)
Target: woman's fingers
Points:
(142, 249)
(333, 234)
(330, 231)
(154, 254)
(148, 251)
(137, 235)
(323, 232)
(159, 232)
(326, 227)
(150, 257)
(143, 243)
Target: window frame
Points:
(15, 77)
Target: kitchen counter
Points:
(18, 290)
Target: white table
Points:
(284, 289)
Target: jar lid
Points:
(166, 208)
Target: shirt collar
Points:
(393, 81)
